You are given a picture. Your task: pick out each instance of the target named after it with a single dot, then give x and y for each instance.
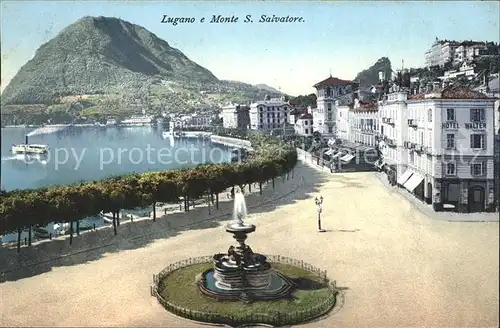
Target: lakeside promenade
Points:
(395, 266)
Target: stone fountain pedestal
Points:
(242, 274)
(241, 268)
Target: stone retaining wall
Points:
(231, 142)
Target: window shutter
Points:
(472, 115)
(472, 169)
(471, 141)
(483, 141)
(482, 114)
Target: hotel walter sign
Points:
(468, 126)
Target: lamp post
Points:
(319, 202)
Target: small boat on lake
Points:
(30, 149)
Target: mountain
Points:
(370, 75)
(267, 88)
(117, 67)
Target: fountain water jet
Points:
(240, 208)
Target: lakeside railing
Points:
(275, 319)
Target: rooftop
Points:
(364, 106)
(306, 117)
(332, 81)
(451, 92)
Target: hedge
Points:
(23, 209)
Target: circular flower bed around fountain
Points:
(177, 289)
(243, 287)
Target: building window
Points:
(329, 107)
(477, 141)
(477, 115)
(450, 114)
(450, 141)
(478, 169)
(329, 116)
(330, 129)
(305, 122)
(307, 131)
(450, 168)
(429, 115)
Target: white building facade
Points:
(442, 148)
(304, 125)
(270, 114)
(328, 93)
(440, 52)
(235, 116)
(343, 122)
(363, 123)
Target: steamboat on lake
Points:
(30, 148)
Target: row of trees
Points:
(25, 209)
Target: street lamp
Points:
(319, 209)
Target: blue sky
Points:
(344, 37)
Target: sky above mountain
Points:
(341, 37)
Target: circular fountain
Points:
(241, 273)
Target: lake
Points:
(92, 153)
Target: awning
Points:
(413, 182)
(404, 177)
(329, 152)
(347, 158)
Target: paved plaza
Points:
(395, 266)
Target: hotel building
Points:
(331, 92)
(270, 114)
(363, 122)
(235, 116)
(440, 147)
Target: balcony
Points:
(419, 148)
(412, 123)
(390, 142)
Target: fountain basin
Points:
(229, 274)
(277, 286)
(236, 228)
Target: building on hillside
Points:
(235, 116)
(466, 69)
(440, 52)
(270, 114)
(363, 122)
(443, 51)
(304, 125)
(440, 146)
(330, 93)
